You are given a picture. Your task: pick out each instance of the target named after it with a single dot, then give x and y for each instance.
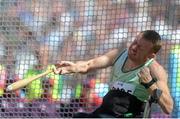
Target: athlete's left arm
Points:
(157, 71)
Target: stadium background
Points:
(34, 34)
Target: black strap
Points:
(147, 85)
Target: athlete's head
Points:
(145, 46)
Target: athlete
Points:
(135, 76)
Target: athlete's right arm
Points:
(103, 61)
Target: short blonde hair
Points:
(154, 38)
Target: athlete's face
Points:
(140, 49)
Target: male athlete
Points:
(135, 75)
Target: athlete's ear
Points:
(153, 55)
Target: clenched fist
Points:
(145, 75)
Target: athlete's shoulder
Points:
(117, 54)
(158, 70)
(156, 65)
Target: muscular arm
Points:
(103, 61)
(165, 100)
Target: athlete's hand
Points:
(145, 75)
(64, 67)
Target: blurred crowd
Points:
(34, 34)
